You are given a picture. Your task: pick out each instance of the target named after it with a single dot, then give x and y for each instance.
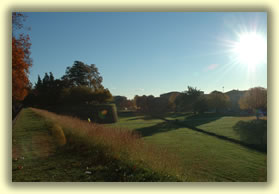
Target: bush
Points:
(253, 132)
(106, 113)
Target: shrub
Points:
(253, 132)
(106, 113)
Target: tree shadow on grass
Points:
(253, 132)
(129, 114)
(200, 119)
(244, 129)
(169, 125)
(143, 117)
(177, 114)
(158, 128)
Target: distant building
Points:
(169, 99)
(235, 95)
(170, 95)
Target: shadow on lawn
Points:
(143, 117)
(158, 128)
(178, 114)
(170, 125)
(251, 132)
(128, 114)
(199, 119)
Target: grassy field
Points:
(221, 125)
(205, 157)
(45, 150)
(112, 153)
(246, 129)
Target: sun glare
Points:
(250, 49)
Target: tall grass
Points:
(119, 143)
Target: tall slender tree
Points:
(21, 61)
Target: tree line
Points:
(194, 100)
(81, 84)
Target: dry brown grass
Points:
(58, 135)
(121, 143)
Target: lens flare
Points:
(103, 113)
(250, 49)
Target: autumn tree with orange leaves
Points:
(21, 61)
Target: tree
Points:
(254, 98)
(39, 83)
(159, 106)
(201, 104)
(149, 106)
(81, 74)
(218, 101)
(101, 96)
(52, 92)
(171, 101)
(51, 77)
(46, 81)
(140, 102)
(21, 61)
(76, 95)
(84, 95)
(187, 99)
(121, 102)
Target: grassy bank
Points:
(89, 152)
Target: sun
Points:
(250, 49)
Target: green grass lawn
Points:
(205, 158)
(242, 128)
(37, 157)
(224, 126)
(135, 120)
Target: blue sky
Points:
(148, 52)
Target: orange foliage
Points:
(254, 98)
(20, 65)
